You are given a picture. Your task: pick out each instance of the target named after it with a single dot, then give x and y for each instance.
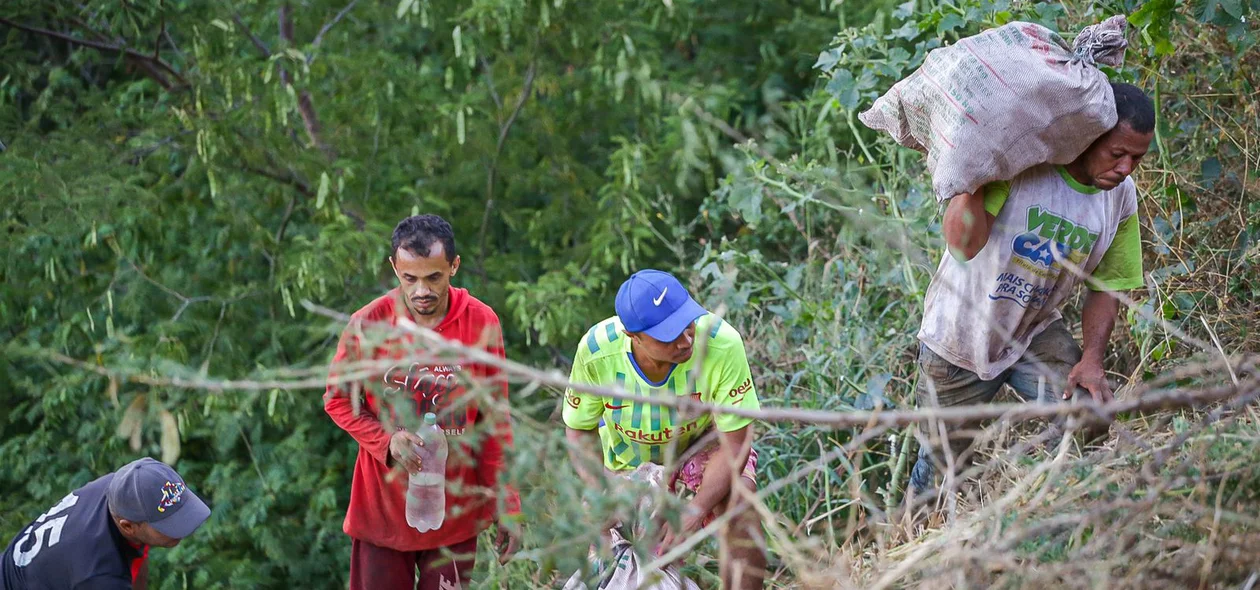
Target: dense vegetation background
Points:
(179, 176)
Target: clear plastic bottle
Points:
(426, 490)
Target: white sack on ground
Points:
(626, 570)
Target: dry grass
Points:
(1168, 501)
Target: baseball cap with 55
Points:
(655, 303)
(147, 490)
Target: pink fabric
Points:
(692, 472)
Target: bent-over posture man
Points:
(386, 552)
(98, 536)
(1017, 251)
(647, 348)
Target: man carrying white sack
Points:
(1017, 251)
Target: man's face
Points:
(425, 281)
(1115, 156)
(675, 352)
(144, 533)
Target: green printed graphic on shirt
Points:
(1072, 242)
(1121, 266)
(633, 432)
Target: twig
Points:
(1217, 342)
(175, 47)
(306, 106)
(1086, 412)
(284, 221)
(376, 148)
(214, 337)
(291, 179)
(504, 128)
(258, 43)
(150, 64)
(520, 103)
(253, 459)
(184, 300)
(157, 41)
(494, 94)
(319, 38)
(285, 22)
(144, 152)
(302, 186)
(188, 301)
(100, 36)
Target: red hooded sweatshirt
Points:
(377, 512)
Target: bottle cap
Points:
(430, 419)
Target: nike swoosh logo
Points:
(658, 300)
(612, 407)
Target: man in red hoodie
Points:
(382, 413)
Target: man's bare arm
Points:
(727, 460)
(967, 225)
(1098, 319)
(581, 442)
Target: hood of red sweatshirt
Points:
(458, 299)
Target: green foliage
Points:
(167, 212)
(168, 209)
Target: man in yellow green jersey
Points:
(647, 349)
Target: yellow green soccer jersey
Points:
(633, 432)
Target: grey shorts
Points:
(1039, 375)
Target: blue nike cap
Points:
(655, 303)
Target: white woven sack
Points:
(1005, 100)
(626, 571)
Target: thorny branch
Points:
(975, 528)
(1145, 398)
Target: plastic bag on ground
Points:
(998, 103)
(627, 571)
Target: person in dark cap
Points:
(98, 536)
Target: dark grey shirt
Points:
(73, 546)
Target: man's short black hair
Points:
(418, 233)
(1133, 107)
